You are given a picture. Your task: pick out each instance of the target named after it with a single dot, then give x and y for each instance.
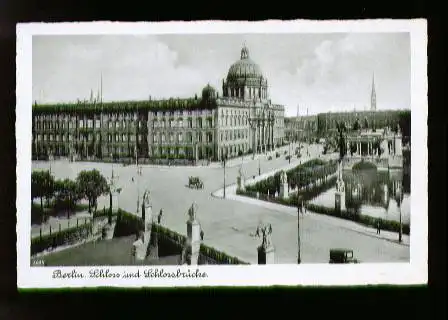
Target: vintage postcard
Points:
(221, 153)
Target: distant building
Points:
(301, 128)
(243, 120)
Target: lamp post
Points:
(253, 126)
(224, 158)
(299, 260)
(399, 199)
(139, 173)
(271, 130)
(289, 157)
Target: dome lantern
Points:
(244, 53)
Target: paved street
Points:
(228, 224)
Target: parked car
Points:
(342, 256)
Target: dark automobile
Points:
(342, 256)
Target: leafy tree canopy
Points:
(42, 184)
(92, 184)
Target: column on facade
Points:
(264, 136)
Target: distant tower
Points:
(297, 111)
(373, 95)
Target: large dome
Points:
(244, 68)
(208, 92)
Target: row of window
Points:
(180, 123)
(162, 138)
(234, 134)
(89, 124)
(174, 113)
(89, 137)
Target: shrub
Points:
(270, 158)
(127, 224)
(288, 157)
(65, 237)
(240, 153)
(277, 155)
(363, 219)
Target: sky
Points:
(312, 72)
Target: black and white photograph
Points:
(191, 146)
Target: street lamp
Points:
(139, 173)
(399, 198)
(224, 159)
(299, 260)
(289, 157)
(253, 126)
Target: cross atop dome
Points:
(244, 52)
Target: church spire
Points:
(373, 95)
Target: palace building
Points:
(241, 120)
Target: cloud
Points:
(321, 72)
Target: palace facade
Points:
(240, 121)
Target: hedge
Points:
(309, 172)
(127, 224)
(386, 225)
(304, 194)
(65, 237)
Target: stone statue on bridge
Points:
(266, 231)
(192, 211)
(283, 177)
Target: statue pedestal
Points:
(266, 254)
(240, 183)
(339, 201)
(284, 191)
(140, 250)
(385, 193)
(110, 228)
(194, 237)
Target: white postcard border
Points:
(414, 272)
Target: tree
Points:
(356, 125)
(92, 184)
(366, 123)
(42, 186)
(67, 193)
(341, 139)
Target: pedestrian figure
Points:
(202, 234)
(132, 179)
(378, 226)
